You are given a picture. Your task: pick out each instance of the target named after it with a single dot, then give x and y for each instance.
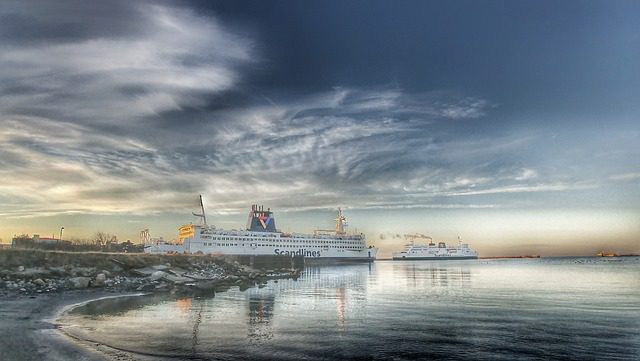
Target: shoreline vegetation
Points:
(36, 286)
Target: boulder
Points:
(79, 282)
(146, 287)
(39, 282)
(100, 279)
(158, 275)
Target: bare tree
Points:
(101, 238)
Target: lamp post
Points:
(61, 229)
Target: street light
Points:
(61, 229)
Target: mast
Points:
(202, 215)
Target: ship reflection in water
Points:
(498, 309)
(260, 315)
(425, 275)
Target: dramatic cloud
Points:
(414, 117)
(174, 60)
(70, 104)
(138, 107)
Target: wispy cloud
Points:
(526, 174)
(626, 177)
(103, 121)
(79, 112)
(170, 62)
(555, 187)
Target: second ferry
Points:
(261, 237)
(432, 251)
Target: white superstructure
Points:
(262, 238)
(432, 251)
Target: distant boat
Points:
(606, 254)
(432, 251)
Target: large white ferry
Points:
(261, 237)
(432, 251)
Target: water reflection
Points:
(261, 307)
(196, 326)
(341, 307)
(117, 305)
(392, 310)
(184, 305)
(344, 287)
(431, 274)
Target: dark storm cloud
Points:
(173, 58)
(40, 21)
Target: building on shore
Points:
(24, 241)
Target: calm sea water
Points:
(562, 308)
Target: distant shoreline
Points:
(508, 257)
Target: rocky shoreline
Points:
(30, 272)
(36, 285)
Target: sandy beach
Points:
(29, 331)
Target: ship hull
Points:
(311, 254)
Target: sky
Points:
(513, 124)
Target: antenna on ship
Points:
(341, 222)
(203, 216)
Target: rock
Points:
(160, 267)
(20, 268)
(100, 279)
(162, 287)
(83, 271)
(158, 275)
(244, 286)
(79, 282)
(144, 271)
(39, 282)
(177, 271)
(106, 273)
(177, 279)
(205, 285)
(147, 287)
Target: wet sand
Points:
(28, 329)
